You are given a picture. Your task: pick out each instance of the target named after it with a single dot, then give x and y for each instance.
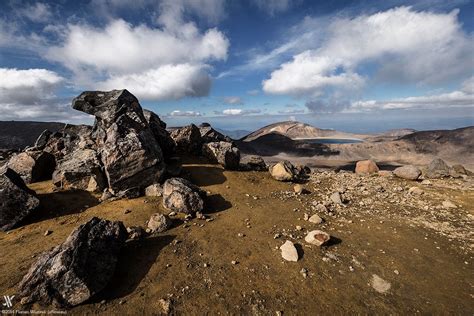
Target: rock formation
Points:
(252, 162)
(162, 136)
(180, 195)
(16, 200)
(437, 169)
(407, 172)
(130, 154)
(80, 170)
(366, 166)
(76, 270)
(284, 171)
(188, 139)
(33, 166)
(224, 153)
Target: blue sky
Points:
(351, 65)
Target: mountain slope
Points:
(298, 130)
(19, 134)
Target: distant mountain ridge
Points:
(19, 134)
(298, 130)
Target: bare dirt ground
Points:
(231, 264)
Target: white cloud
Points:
(292, 111)
(403, 44)
(273, 6)
(27, 86)
(155, 63)
(253, 92)
(458, 98)
(233, 100)
(236, 112)
(38, 12)
(184, 113)
(162, 83)
(30, 94)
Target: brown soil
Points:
(427, 264)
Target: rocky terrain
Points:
(126, 218)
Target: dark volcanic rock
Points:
(80, 170)
(188, 139)
(131, 156)
(209, 134)
(180, 195)
(79, 268)
(162, 136)
(43, 139)
(437, 169)
(16, 200)
(33, 166)
(253, 163)
(224, 153)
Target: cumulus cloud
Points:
(163, 83)
(154, 63)
(401, 44)
(237, 112)
(184, 113)
(233, 100)
(30, 94)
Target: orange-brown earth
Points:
(422, 249)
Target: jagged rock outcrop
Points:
(407, 172)
(130, 154)
(162, 136)
(188, 139)
(284, 171)
(76, 270)
(33, 165)
(224, 153)
(209, 134)
(80, 170)
(180, 195)
(16, 200)
(253, 163)
(42, 140)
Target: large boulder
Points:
(162, 136)
(437, 169)
(43, 139)
(76, 270)
(210, 135)
(16, 200)
(253, 163)
(188, 139)
(284, 171)
(366, 167)
(33, 165)
(130, 154)
(81, 170)
(224, 153)
(180, 195)
(407, 172)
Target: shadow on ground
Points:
(350, 166)
(62, 203)
(134, 262)
(216, 203)
(205, 175)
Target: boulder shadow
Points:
(332, 242)
(134, 262)
(216, 203)
(205, 175)
(300, 251)
(61, 203)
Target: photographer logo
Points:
(8, 300)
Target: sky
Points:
(356, 66)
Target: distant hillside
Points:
(19, 134)
(234, 134)
(298, 130)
